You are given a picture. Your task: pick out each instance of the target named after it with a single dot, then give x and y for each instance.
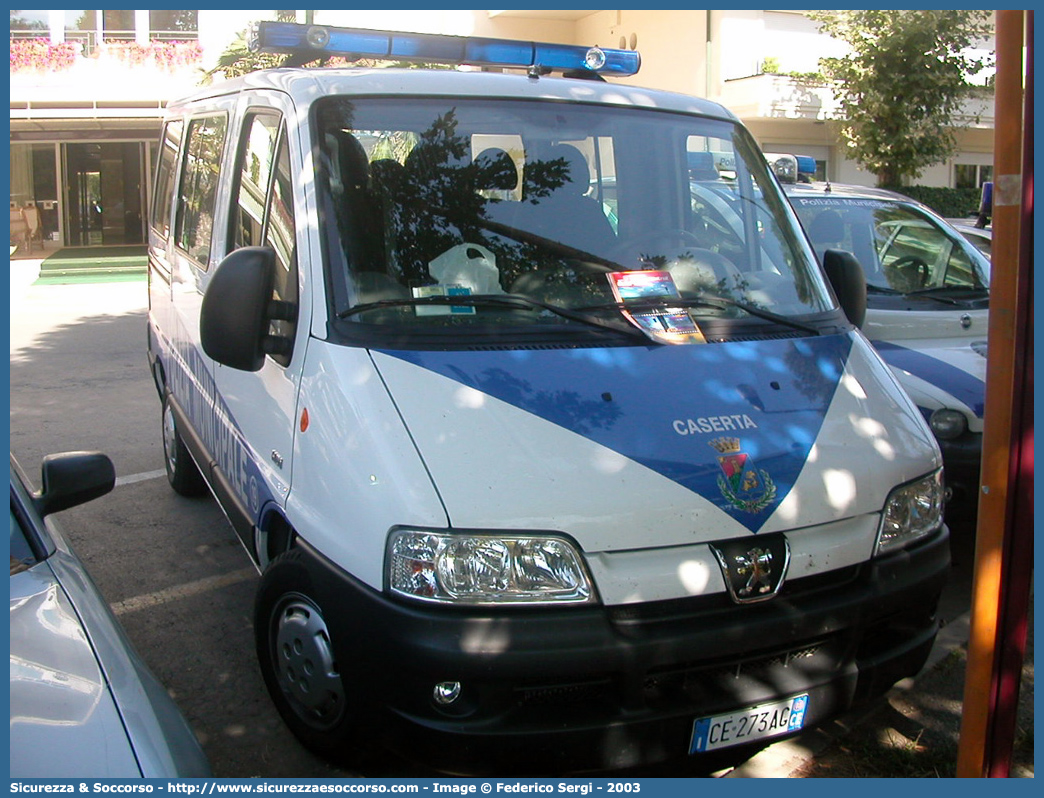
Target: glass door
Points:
(104, 190)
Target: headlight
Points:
(912, 512)
(948, 424)
(485, 568)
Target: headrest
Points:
(387, 173)
(701, 166)
(827, 226)
(578, 174)
(496, 170)
(352, 160)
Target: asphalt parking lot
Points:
(171, 567)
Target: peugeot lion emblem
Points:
(753, 572)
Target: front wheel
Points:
(300, 665)
(182, 472)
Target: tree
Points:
(238, 59)
(903, 84)
(26, 23)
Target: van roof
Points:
(306, 84)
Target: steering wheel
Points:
(656, 245)
(912, 269)
(697, 270)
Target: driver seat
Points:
(567, 214)
(826, 231)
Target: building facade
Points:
(88, 90)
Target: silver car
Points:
(83, 703)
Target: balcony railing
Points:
(779, 97)
(770, 96)
(89, 43)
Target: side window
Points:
(279, 234)
(911, 256)
(959, 270)
(263, 213)
(254, 176)
(168, 159)
(194, 224)
(602, 183)
(22, 556)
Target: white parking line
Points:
(183, 591)
(140, 477)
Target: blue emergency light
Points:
(806, 165)
(321, 41)
(792, 168)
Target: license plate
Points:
(749, 725)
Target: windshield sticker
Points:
(422, 291)
(633, 285)
(663, 324)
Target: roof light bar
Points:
(321, 40)
(791, 168)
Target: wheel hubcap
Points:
(305, 664)
(170, 440)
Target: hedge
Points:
(952, 203)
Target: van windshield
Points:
(902, 249)
(491, 216)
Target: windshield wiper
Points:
(510, 301)
(665, 303)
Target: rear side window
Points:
(194, 225)
(168, 159)
(263, 211)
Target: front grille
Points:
(760, 336)
(511, 347)
(745, 680)
(577, 693)
(673, 610)
(731, 681)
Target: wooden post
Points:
(1003, 569)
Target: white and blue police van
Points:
(928, 294)
(543, 468)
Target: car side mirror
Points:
(71, 479)
(237, 308)
(848, 280)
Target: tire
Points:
(301, 666)
(182, 472)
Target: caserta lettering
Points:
(708, 424)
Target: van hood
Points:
(632, 447)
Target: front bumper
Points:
(591, 688)
(962, 459)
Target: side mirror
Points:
(234, 315)
(71, 479)
(849, 283)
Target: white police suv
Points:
(530, 489)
